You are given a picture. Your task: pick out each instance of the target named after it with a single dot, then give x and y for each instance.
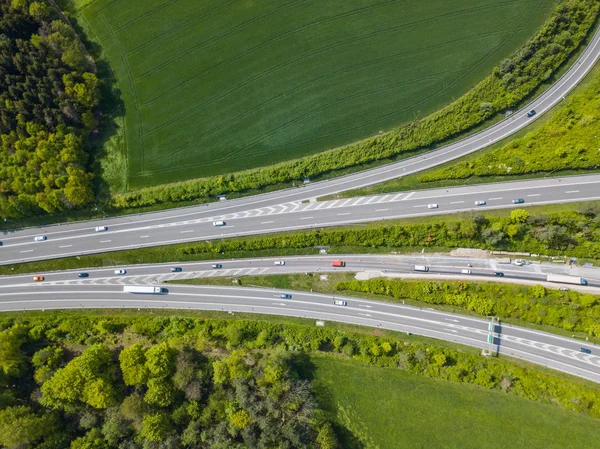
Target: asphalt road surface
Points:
(18, 245)
(147, 230)
(553, 351)
(482, 269)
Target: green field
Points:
(216, 86)
(387, 409)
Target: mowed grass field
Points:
(216, 86)
(386, 408)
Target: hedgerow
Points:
(568, 310)
(511, 82)
(575, 233)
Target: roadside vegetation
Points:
(570, 229)
(116, 381)
(567, 310)
(570, 140)
(511, 82)
(567, 313)
(48, 99)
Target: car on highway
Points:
(499, 274)
(518, 201)
(176, 269)
(285, 296)
(40, 238)
(101, 228)
(433, 206)
(121, 271)
(279, 262)
(519, 262)
(585, 350)
(531, 113)
(466, 271)
(216, 265)
(339, 302)
(83, 275)
(564, 289)
(219, 223)
(38, 278)
(480, 203)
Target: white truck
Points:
(566, 279)
(144, 289)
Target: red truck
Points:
(338, 263)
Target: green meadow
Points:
(215, 86)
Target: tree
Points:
(20, 427)
(160, 360)
(519, 216)
(12, 360)
(92, 440)
(326, 437)
(133, 365)
(155, 427)
(160, 392)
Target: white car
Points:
(480, 203)
(519, 262)
(219, 223)
(433, 206)
(339, 302)
(279, 262)
(101, 228)
(40, 238)
(120, 271)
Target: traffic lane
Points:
(424, 322)
(298, 264)
(550, 97)
(323, 214)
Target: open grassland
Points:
(217, 86)
(387, 408)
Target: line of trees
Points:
(48, 100)
(575, 232)
(511, 82)
(568, 310)
(101, 382)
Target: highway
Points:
(178, 225)
(553, 351)
(482, 269)
(143, 231)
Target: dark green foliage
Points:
(47, 101)
(575, 233)
(568, 310)
(511, 82)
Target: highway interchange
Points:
(297, 209)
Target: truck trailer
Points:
(338, 263)
(144, 289)
(566, 279)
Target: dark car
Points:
(217, 265)
(285, 296)
(531, 113)
(518, 201)
(499, 274)
(83, 275)
(176, 269)
(585, 350)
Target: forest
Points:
(48, 110)
(117, 381)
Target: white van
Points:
(219, 223)
(421, 268)
(466, 271)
